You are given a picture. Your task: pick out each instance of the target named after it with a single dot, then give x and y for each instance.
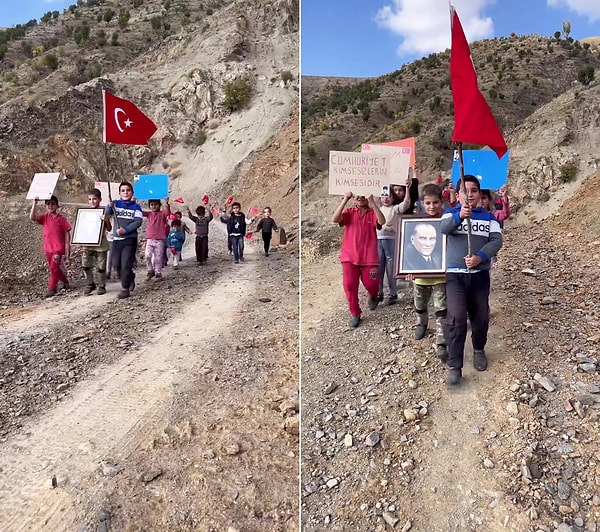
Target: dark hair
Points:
(176, 223)
(52, 199)
(151, 201)
(265, 208)
(178, 213)
(487, 193)
(431, 190)
(469, 179)
(125, 184)
(236, 203)
(200, 210)
(95, 192)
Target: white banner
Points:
(102, 186)
(399, 160)
(359, 173)
(43, 185)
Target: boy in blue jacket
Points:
(468, 276)
(128, 218)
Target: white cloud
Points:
(585, 8)
(424, 25)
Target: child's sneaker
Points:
(480, 362)
(373, 302)
(158, 277)
(123, 294)
(393, 300)
(149, 275)
(442, 353)
(101, 291)
(50, 293)
(454, 377)
(380, 296)
(354, 321)
(89, 289)
(420, 332)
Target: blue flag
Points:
(150, 186)
(484, 165)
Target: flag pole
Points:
(464, 191)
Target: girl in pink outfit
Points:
(155, 237)
(502, 206)
(359, 256)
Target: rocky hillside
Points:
(548, 112)
(219, 79)
(518, 75)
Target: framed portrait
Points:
(89, 227)
(420, 247)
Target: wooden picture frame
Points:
(89, 227)
(420, 247)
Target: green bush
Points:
(114, 40)
(568, 171)
(108, 15)
(137, 3)
(123, 19)
(51, 61)
(311, 152)
(156, 22)
(286, 76)
(586, 75)
(237, 94)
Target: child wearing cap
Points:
(56, 241)
(386, 241)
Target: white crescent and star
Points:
(127, 121)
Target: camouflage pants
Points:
(94, 261)
(422, 295)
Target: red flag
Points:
(124, 123)
(179, 200)
(473, 120)
(205, 199)
(229, 200)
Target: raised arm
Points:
(375, 207)
(337, 215)
(32, 215)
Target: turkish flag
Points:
(179, 200)
(473, 119)
(229, 200)
(205, 199)
(124, 123)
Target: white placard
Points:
(43, 185)
(399, 160)
(102, 186)
(359, 173)
(88, 227)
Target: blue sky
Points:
(21, 11)
(359, 38)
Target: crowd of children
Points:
(460, 291)
(121, 221)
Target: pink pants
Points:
(56, 273)
(155, 249)
(352, 274)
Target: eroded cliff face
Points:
(180, 83)
(555, 150)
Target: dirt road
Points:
(190, 399)
(385, 444)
